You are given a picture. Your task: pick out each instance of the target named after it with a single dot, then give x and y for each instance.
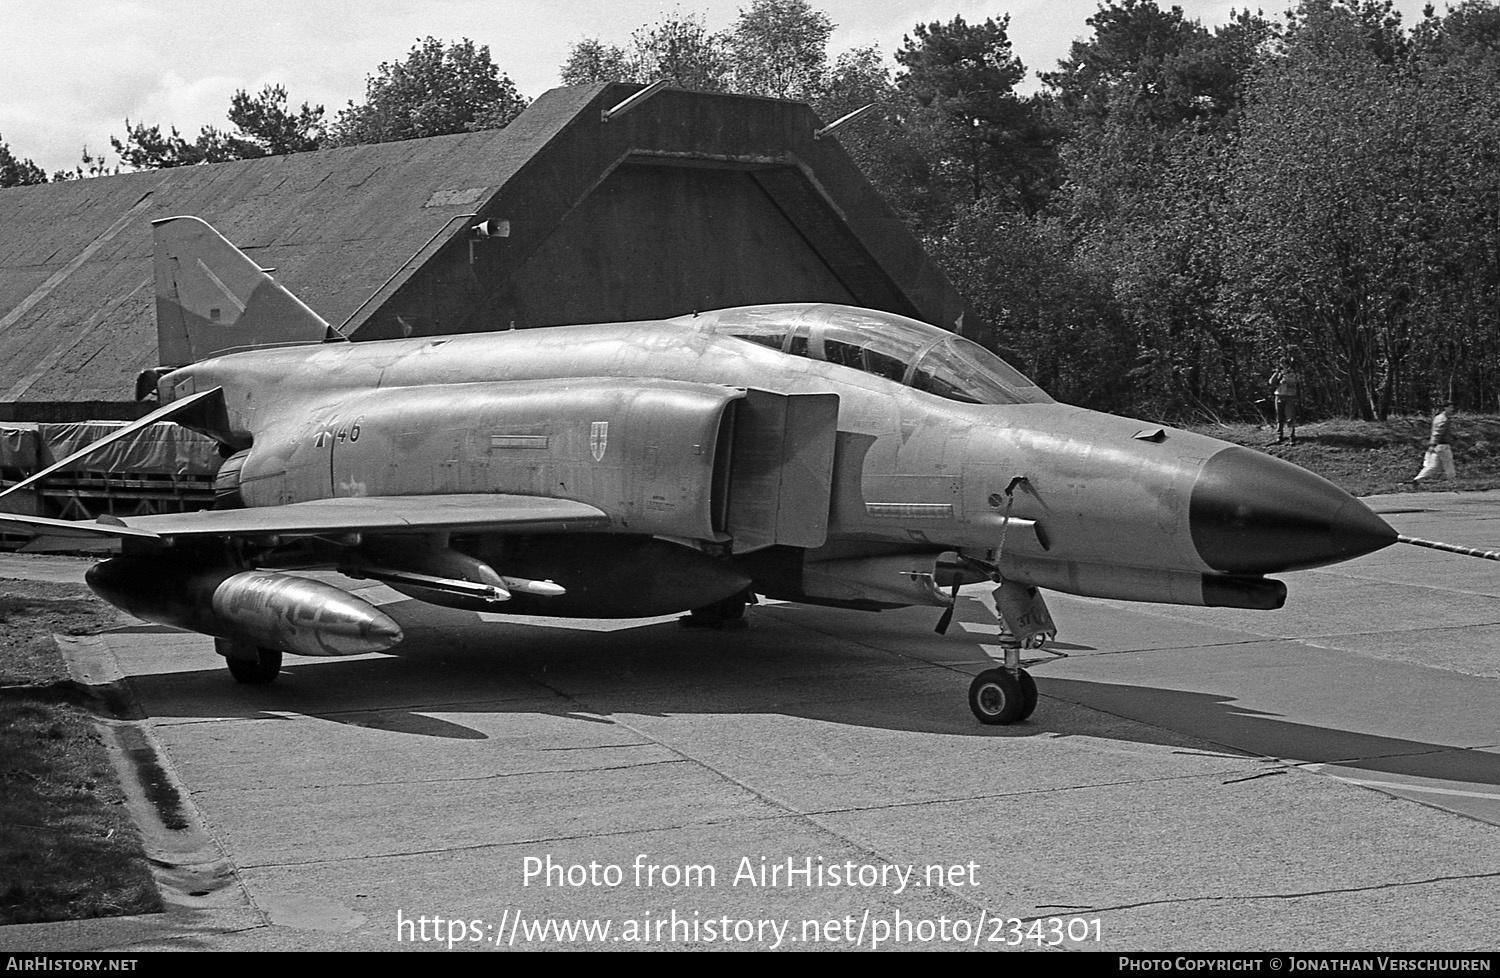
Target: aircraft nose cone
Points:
(1256, 514)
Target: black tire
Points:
(729, 612)
(264, 670)
(1028, 695)
(996, 697)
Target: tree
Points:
(16, 172)
(1456, 67)
(591, 60)
(436, 90)
(887, 152)
(1470, 33)
(1161, 250)
(147, 148)
(1377, 22)
(1348, 190)
(683, 51)
(89, 166)
(987, 138)
(1149, 104)
(1135, 45)
(1169, 70)
(1053, 317)
(263, 126)
(779, 48)
(1239, 46)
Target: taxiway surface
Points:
(1326, 777)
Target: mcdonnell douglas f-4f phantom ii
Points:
(806, 452)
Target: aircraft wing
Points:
(384, 514)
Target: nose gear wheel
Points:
(999, 697)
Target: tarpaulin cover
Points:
(18, 446)
(159, 449)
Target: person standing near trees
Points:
(1286, 386)
(1439, 447)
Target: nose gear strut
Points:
(1007, 694)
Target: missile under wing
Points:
(806, 452)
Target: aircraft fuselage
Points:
(632, 418)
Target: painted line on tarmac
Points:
(1405, 786)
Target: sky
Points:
(72, 71)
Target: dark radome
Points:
(1257, 514)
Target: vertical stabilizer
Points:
(211, 297)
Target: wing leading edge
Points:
(474, 513)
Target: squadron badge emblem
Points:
(599, 439)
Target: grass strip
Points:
(68, 846)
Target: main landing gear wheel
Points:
(259, 671)
(725, 615)
(999, 697)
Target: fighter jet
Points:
(803, 452)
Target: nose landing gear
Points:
(1008, 694)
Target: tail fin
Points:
(211, 297)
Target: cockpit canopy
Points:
(881, 343)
